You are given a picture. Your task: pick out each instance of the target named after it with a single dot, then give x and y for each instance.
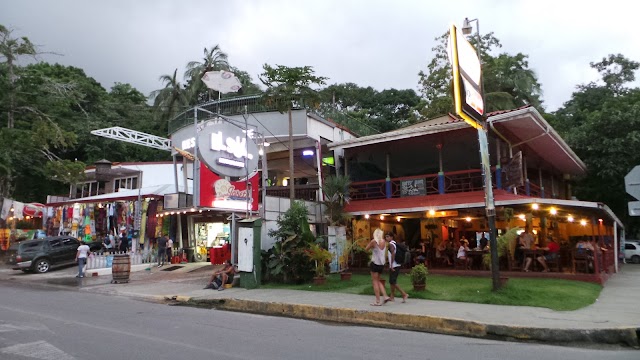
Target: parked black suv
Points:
(40, 254)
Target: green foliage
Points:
(336, 192)
(601, 124)
(287, 261)
(320, 256)
(367, 111)
(508, 80)
(505, 241)
(558, 295)
(286, 85)
(419, 274)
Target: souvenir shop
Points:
(95, 221)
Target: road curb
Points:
(627, 336)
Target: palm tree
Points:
(170, 99)
(214, 59)
(284, 86)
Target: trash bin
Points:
(190, 254)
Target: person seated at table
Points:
(518, 254)
(483, 242)
(441, 252)
(462, 253)
(552, 250)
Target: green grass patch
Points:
(554, 294)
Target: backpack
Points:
(401, 254)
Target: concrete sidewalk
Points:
(613, 319)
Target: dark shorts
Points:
(551, 256)
(393, 276)
(376, 268)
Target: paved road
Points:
(46, 323)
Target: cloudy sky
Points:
(383, 44)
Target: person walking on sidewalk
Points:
(81, 258)
(377, 265)
(394, 269)
(162, 249)
(169, 250)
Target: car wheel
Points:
(41, 266)
(635, 259)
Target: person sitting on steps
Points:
(221, 277)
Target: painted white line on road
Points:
(37, 350)
(11, 327)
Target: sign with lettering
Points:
(513, 171)
(413, 187)
(227, 150)
(218, 192)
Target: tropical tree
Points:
(335, 190)
(287, 86)
(214, 59)
(171, 99)
(601, 123)
(10, 49)
(508, 80)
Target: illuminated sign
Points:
(226, 149)
(467, 79)
(218, 192)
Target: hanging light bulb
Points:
(366, 216)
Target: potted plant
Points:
(418, 276)
(321, 257)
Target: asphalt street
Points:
(54, 323)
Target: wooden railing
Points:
(454, 182)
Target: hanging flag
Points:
(18, 210)
(6, 208)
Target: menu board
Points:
(413, 187)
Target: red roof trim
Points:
(427, 202)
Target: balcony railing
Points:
(454, 182)
(302, 192)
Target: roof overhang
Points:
(123, 195)
(526, 129)
(405, 133)
(468, 200)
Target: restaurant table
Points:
(477, 255)
(533, 254)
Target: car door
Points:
(56, 250)
(70, 248)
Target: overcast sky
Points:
(383, 44)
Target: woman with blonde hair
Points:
(377, 265)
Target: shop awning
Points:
(129, 194)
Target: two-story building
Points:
(424, 182)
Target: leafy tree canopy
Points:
(508, 80)
(601, 123)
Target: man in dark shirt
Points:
(162, 249)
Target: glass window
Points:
(69, 242)
(31, 246)
(629, 247)
(55, 243)
(125, 183)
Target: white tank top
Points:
(378, 256)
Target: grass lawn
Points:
(547, 293)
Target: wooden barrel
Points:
(121, 268)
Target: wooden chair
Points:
(459, 263)
(580, 260)
(513, 264)
(554, 265)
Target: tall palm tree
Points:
(171, 99)
(213, 59)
